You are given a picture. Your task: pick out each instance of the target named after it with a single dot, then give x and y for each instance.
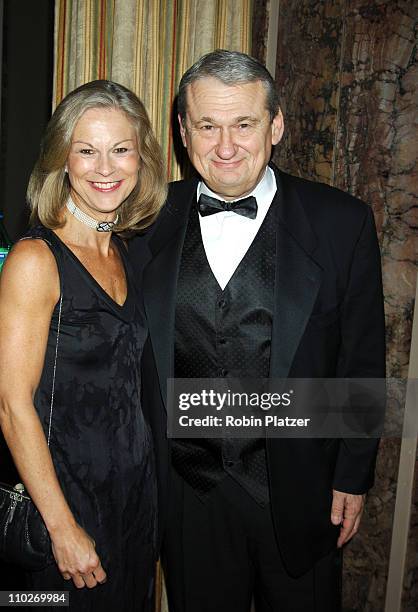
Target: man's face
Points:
(228, 134)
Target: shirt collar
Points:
(263, 192)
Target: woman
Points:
(99, 175)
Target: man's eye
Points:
(207, 128)
(243, 126)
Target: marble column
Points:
(347, 76)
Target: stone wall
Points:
(347, 76)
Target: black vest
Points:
(225, 334)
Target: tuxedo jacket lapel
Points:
(298, 278)
(160, 279)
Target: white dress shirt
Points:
(227, 236)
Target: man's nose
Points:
(226, 148)
(104, 165)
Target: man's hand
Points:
(346, 511)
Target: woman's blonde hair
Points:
(49, 186)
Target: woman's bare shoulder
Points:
(31, 266)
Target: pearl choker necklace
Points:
(99, 226)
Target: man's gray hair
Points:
(231, 68)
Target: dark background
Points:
(26, 95)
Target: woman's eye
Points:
(87, 151)
(121, 150)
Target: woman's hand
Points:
(76, 557)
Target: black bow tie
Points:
(247, 207)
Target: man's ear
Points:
(182, 131)
(277, 128)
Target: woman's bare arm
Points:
(29, 291)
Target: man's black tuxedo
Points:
(328, 322)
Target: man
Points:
(283, 284)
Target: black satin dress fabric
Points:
(100, 442)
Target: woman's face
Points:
(103, 162)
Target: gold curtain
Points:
(145, 45)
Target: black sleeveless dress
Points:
(100, 442)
